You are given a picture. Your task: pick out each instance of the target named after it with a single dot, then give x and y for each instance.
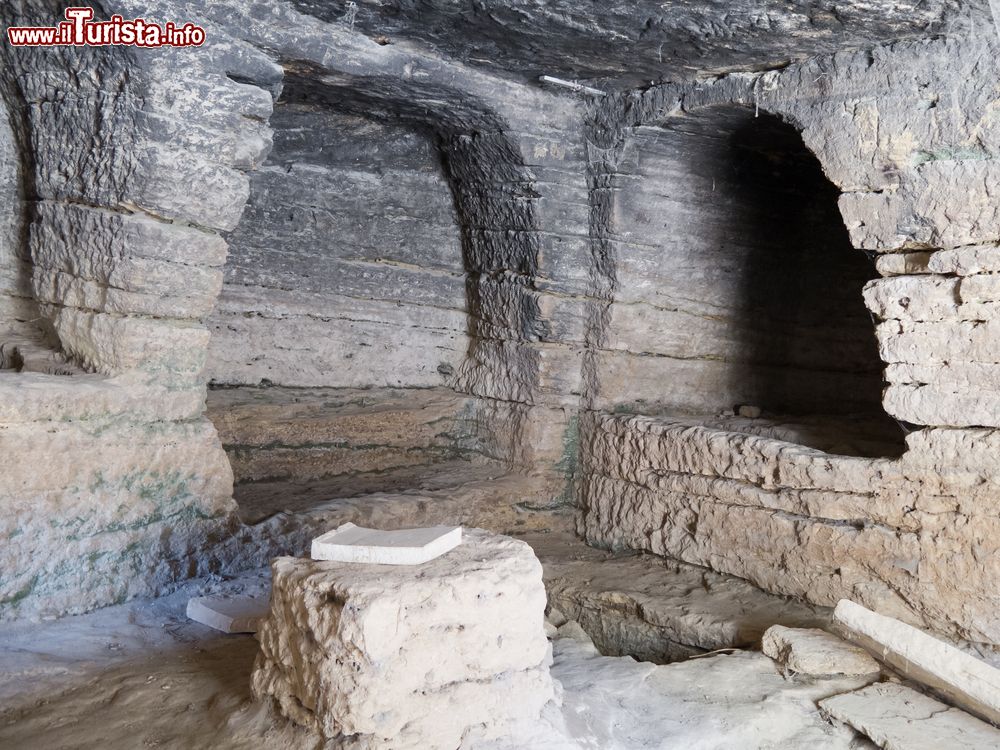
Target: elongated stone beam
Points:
(961, 679)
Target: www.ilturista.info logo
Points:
(79, 30)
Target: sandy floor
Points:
(141, 675)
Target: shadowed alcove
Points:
(362, 285)
(739, 294)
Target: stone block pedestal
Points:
(409, 657)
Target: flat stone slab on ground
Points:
(964, 680)
(897, 717)
(816, 652)
(228, 614)
(355, 544)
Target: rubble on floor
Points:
(658, 610)
(816, 652)
(174, 683)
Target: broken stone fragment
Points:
(815, 652)
(573, 630)
(963, 680)
(409, 657)
(897, 717)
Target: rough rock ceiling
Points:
(630, 42)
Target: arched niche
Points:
(379, 266)
(738, 295)
(26, 339)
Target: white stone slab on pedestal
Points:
(230, 615)
(355, 544)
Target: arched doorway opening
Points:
(364, 288)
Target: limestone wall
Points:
(914, 537)
(347, 266)
(139, 169)
(117, 485)
(908, 133)
(537, 257)
(735, 279)
(514, 162)
(294, 448)
(346, 271)
(16, 305)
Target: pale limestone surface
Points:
(82, 681)
(102, 510)
(816, 652)
(962, 679)
(409, 657)
(897, 717)
(714, 703)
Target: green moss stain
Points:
(21, 594)
(96, 482)
(958, 153)
(567, 466)
(168, 494)
(112, 544)
(93, 558)
(569, 461)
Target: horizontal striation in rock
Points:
(904, 535)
